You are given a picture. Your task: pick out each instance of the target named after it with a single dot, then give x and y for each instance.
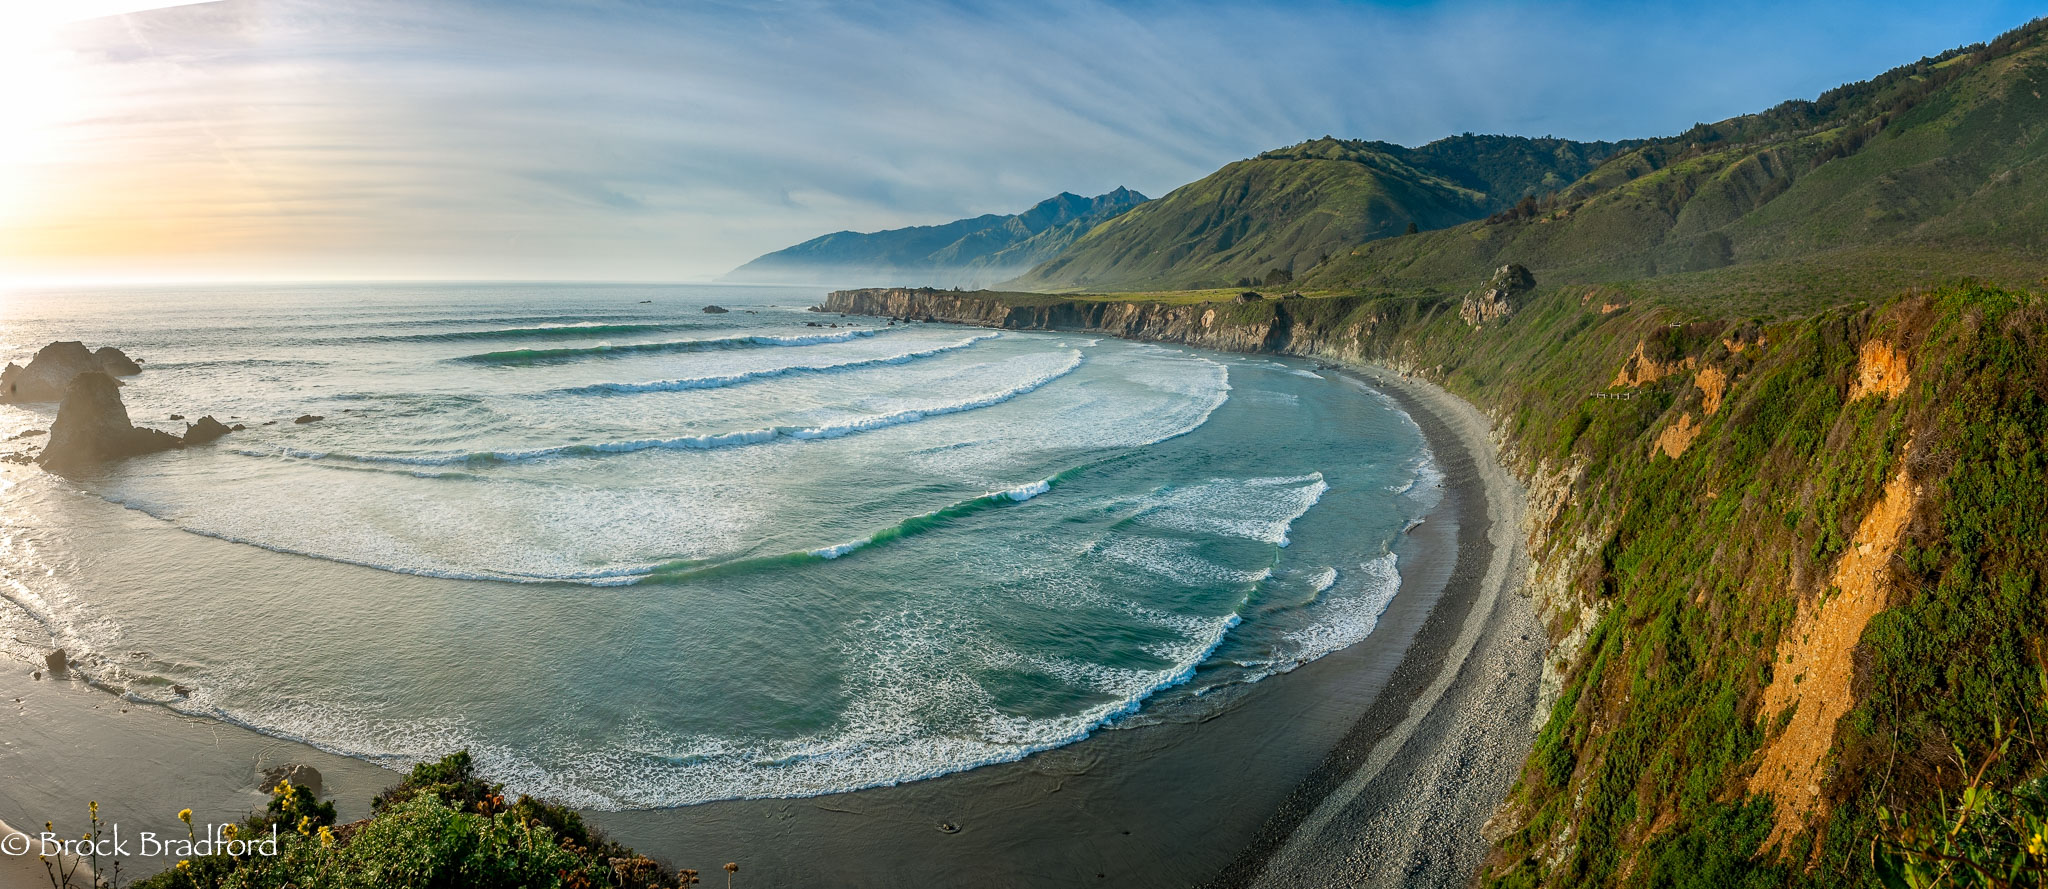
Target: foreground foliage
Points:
(440, 828)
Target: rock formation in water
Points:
(49, 374)
(1494, 301)
(716, 310)
(206, 430)
(92, 427)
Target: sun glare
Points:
(40, 95)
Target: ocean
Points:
(633, 555)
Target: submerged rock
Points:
(308, 418)
(206, 430)
(716, 310)
(49, 374)
(57, 660)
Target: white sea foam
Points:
(723, 380)
(712, 440)
(1341, 621)
(1262, 509)
(1321, 581)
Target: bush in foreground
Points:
(440, 828)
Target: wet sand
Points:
(1371, 766)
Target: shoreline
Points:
(1190, 797)
(1434, 757)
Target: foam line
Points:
(719, 382)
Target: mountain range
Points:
(972, 252)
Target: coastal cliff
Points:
(1335, 329)
(1714, 713)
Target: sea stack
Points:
(92, 427)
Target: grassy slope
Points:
(1936, 169)
(1814, 229)
(1687, 572)
(1290, 209)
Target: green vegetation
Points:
(1939, 161)
(1290, 209)
(440, 827)
(1691, 571)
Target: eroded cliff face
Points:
(1333, 330)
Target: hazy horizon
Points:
(287, 140)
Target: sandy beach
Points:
(1375, 765)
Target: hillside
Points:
(1786, 565)
(1786, 467)
(963, 253)
(1287, 210)
(1933, 169)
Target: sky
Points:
(644, 141)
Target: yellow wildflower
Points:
(2037, 845)
(183, 864)
(326, 836)
(185, 815)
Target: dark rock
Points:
(177, 416)
(308, 418)
(112, 363)
(181, 691)
(716, 310)
(812, 324)
(237, 427)
(1495, 300)
(92, 427)
(301, 775)
(49, 374)
(57, 660)
(206, 430)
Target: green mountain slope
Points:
(1289, 209)
(964, 253)
(1945, 157)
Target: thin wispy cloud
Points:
(621, 140)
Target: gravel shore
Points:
(1402, 799)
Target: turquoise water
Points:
(634, 555)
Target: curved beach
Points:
(1336, 772)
